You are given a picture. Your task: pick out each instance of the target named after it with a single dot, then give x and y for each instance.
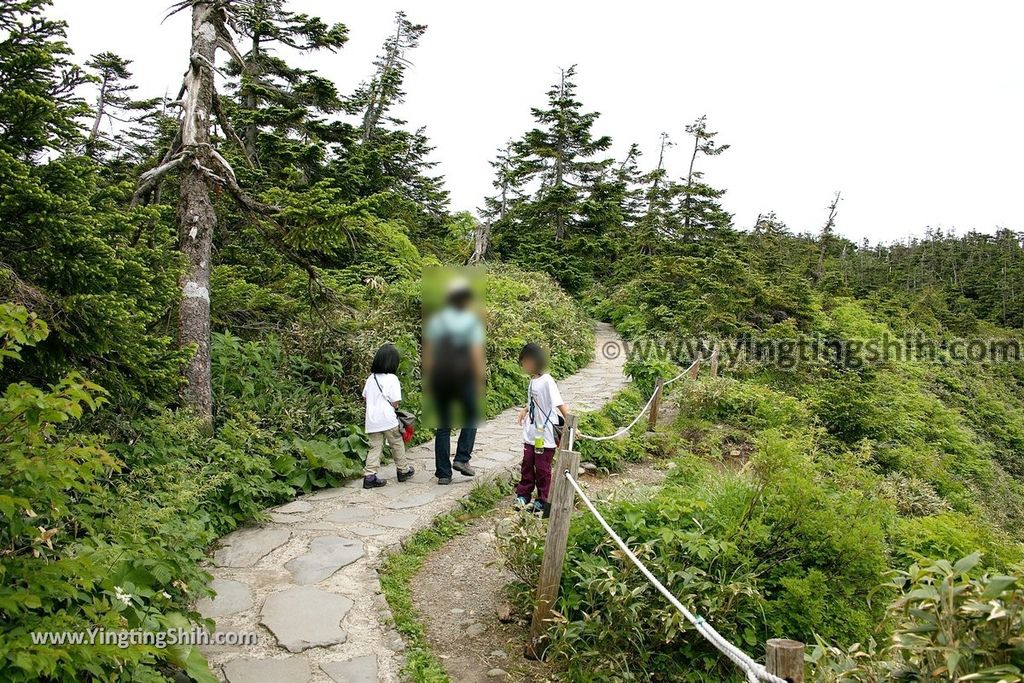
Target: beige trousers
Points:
(394, 438)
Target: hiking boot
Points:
(444, 481)
(372, 482)
(407, 475)
(464, 468)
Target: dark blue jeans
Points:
(465, 400)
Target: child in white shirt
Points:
(383, 392)
(543, 412)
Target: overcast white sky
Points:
(915, 110)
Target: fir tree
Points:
(700, 207)
(276, 96)
(560, 159)
(384, 90)
(39, 101)
(129, 122)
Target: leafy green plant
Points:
(951, 625)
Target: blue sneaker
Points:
(537, 508)
(520, 503)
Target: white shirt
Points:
(545, 400)
(380, 414)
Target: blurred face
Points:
(529, 366)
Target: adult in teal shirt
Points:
(454, 371)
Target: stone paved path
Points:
(307, 581)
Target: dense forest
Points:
(194, 287)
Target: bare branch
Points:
(240, 195)
(228, 45)
(150, 179)
(229, 131)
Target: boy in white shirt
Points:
(382, 392)
(543, 412)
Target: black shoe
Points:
(372, 482)
(464, 468)
(444, 481)
(407, 475)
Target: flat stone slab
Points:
(357, 670)
(232, 596)
(398, 520)
(328, 494)
(278, 518)
(248, 670)
(294, 507)
(414, 501)
(423, 474)
(367, 530)
(302, 617)
(244, 548)
(350, 513)
(326, 555)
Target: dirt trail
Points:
(461, 587)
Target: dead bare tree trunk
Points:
(481, 242)
(251, 103)
(196, 216)
(826, 236)
(101, 111)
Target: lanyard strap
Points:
(533, 404)
(380, 389)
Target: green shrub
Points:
(951, 625)
(951, 534)
(80, 555)
(771, 551)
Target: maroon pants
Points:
(536, 472)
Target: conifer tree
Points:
(128, 121)
(700, 207)
(382, 156)
(274, 95)
(560, 159)
(496, 206)
(39, 101)
(66, 248)
(384, 90)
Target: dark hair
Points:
(460, 298)
(385, 362)
(534, 353)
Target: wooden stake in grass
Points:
(785, 659)
(562, 499)
(652, 419)
(714, 360)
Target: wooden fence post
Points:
(695, 370)
(785, 659)
(652, 419)
(562, 499)
(714, 360)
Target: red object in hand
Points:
(407, 433)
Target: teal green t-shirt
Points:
(460, 327)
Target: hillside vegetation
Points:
(869, 421)
(282, 234)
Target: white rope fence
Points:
(753, 671)
(625, 430)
